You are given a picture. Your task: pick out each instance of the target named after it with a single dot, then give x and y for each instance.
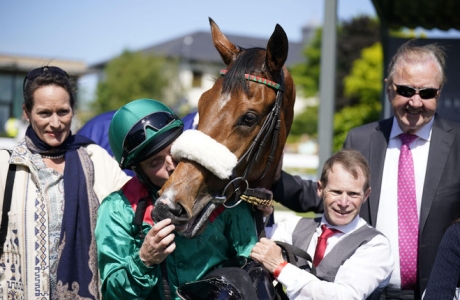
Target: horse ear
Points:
(227, 50)
(277, 49)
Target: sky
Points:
(94, 31)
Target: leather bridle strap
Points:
(272, 84)
(270, 127)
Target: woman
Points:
(445, 276)
(135, 254)
(60, 179)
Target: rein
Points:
(270, 127)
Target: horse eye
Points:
(249, 119)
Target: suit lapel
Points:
(441, 142)
(377, 152)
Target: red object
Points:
(135, 190)
(278, 269)
(217, 211)
(322, 243)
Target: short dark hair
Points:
(411, 53)
(43, 79)
(352, 161)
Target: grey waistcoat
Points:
(330, 264)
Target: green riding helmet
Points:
(141, 129)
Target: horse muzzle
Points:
(186, 226)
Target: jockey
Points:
(140, 259)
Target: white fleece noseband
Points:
(203, 149)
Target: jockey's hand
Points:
(268, 253)
(158, 243)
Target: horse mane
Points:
(247, 62)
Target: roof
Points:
(198, 46)
(429, 14)
(14, 63)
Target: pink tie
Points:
(407, 214)
(322, 243)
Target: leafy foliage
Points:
(353, 37)
(307, 75)
(364, 83)
(132, 76)
(306, 123)
(365, 78)
(358, 89)
(353, 116)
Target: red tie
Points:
(407, 215)
(322, 243)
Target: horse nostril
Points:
(177, 210)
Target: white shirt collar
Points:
(344, 228)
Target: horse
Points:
(244, 120)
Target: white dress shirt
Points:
(368, 268)
(387, 216)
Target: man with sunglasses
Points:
(415, 79)
(140, 259)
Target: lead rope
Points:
(138, 220)
(164, 275)
(139, 215)
(260, 224)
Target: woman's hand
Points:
(158, 243)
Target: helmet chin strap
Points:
(143, 178)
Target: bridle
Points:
(270, 128)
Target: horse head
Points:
(244, 120)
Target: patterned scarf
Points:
(77, 275)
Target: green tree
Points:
(132, 76)
(352, 37)
(305, 123)
(306, 75)
(365, 84)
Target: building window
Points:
(197, 77)
(10, 98)
(6, 95)
(6, 88)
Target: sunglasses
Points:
(137, 134)
(407, 91)
(38, 71)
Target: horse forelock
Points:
(249, 61)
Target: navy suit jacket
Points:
(441, 192)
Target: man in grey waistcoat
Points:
(351, 260)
